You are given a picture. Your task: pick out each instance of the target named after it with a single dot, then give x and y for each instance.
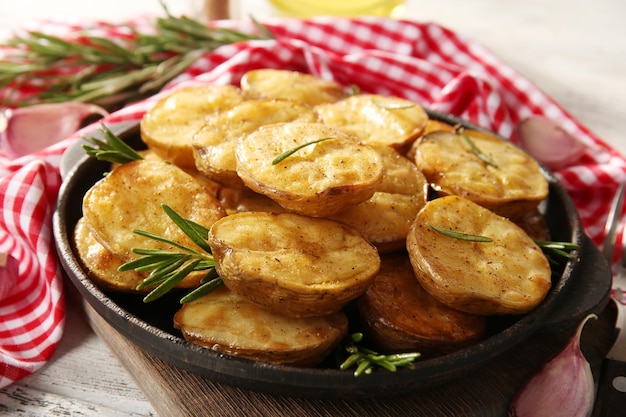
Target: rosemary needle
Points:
(290, 152)
(460, 235)
(480, 154)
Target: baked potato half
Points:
(291, 264)
(377, 119)
(229, 323)
(400, 316)
(101, 264)
(319, 179)
(169, 126)
(131, 196)
(509, 274)
(214, 144)
(304, 88)
(386, 217)
(483, 168)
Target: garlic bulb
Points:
(563, 387)
(548, 142)
(26, 130)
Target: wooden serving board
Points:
(485, 392)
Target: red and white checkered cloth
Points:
(423, 62)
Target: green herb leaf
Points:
(290, 152)
(460, 235)
(560, 249)
(196, 232)
(168, 268)
(171, 280)
(202, 290)
(365, 360)
(482, 156)
(112, 149)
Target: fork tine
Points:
(612, 221)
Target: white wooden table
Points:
(574, 50)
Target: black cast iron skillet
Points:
(580, 287)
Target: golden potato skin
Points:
(377, 119)
(214, 144)
(386, 217)
(228, 323)
(130, 197)
(319, 179)
(509, 275)
(512, 188)
(169, 126)
(401, 316)
(292, 264)
(101, 264)
(305, 88)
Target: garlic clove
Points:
(29, 129)
(548, 142)
(563, 387)
(8, 274)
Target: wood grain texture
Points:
(486, 392)
(83, 378)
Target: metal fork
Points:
(612, 224)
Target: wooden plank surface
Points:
(486, 392)
(83, 378)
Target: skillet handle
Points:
(611, 395)
(590, 290)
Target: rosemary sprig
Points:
(108, 72)
(480, 154)
(290, 152)
(111, 149)
(460, 235)
(365, 360)
(170, 268)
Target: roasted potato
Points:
(229, 323)
(511, 185)
(214, 144)
(130, 197)
(385, 218)
(377, 119)
(291, 264)
(211, 185)
(169, 126)
(101, 264)
(319, 179)
(237, 200)
(432, 125)
(400, 316)
(508, 275)
(304, 88)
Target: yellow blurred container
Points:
(305, 8)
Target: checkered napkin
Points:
(423, 62)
